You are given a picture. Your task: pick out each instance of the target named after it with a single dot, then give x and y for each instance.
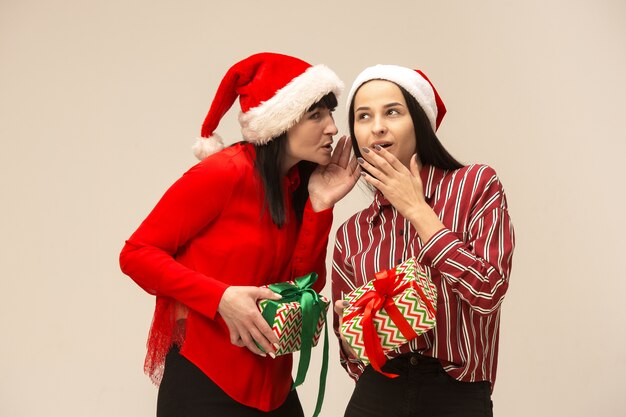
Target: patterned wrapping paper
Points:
(288, 324)
(416, 302)
(297, 331)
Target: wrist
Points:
(318, 204)
(425, 221)
(417, 213)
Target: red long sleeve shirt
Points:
(469, 261)
(210, 230)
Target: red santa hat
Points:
(413, 81)
(274, 92)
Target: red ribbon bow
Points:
(386, 285)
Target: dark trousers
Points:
(422, 388)
(186, 391)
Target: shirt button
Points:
(399, 261)
(401, 232)
(414, 361)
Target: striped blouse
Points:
(469, 261)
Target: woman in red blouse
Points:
(454, 219)
(255, 213)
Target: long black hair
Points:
(269, 158)
(429, 149)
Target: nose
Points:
(331, 127)
(378, 127)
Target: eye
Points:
(315, 115)
(362, 116)
(393, 112)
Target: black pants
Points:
(422, 389)
(186, 391)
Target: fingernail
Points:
(377, 147)
(272, 355)
(276, 345)
(360, 160)
(279, 296)
(263, 354)
(363, 173)
(346, 304)
(366, 150)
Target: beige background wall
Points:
(100, 102)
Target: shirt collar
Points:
(431, 177)
(292, 179)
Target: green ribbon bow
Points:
(312, 307)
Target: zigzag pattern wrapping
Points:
(410, 304)
(288, 325)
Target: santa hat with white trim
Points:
(274, 92)
(413, 81)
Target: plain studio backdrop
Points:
(100, 103)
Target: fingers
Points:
(372, 169)
(338, 151)
(390, 158)
(242, 334)
(258, 327)
(247, 339)
(344, 157)
(383, 160)
(414, 166)
(355, 169)
(235, 337)
(265, 331)
(261, 339)
(266, 293)
(339, 306)
(347, 348)
(373, 181)
(255, 329)
(245, 323)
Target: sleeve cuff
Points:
(445, 252)
(313, 236)
(438, 248)
(202, 294)
(315, 224)
(214, 301)
(308, 209)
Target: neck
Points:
(288, 163)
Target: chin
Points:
(325, 160)
(319, 159)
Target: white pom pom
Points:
(207, 146)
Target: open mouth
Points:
(382, 144)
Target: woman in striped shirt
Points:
(454, 219)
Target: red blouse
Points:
(210, 230)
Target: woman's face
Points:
(311, 138)
(381, 117)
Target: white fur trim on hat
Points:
(276, 115)
(408, 79)
(207, 146)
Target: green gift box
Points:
(297, 319)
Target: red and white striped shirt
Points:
(469, 261)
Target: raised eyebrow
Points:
(394, 104)
(320, 108)
(386, 106)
